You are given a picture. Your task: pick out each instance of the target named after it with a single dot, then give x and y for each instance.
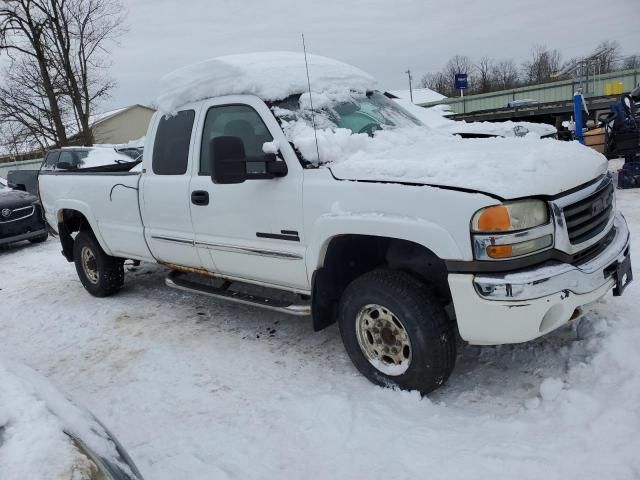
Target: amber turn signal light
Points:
(500, 251)
(494, 219)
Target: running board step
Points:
(175, 280)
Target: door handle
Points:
(200, 197)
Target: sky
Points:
(382, 37)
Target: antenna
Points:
(313, 115)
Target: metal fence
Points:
(548, 92)
(23, 165)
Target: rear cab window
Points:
(171, 145)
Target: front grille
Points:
(31, 223)
(588, 217)
(15, 214)
(594, 250)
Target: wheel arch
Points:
(71, 219)
(348, 256)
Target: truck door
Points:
(164, 197)
(251, 230)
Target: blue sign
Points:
(460, 80)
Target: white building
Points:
(121, 125)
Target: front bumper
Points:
(516, 307)
(23, 236)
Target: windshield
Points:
(3, 184)
(359, 113)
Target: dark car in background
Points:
(21, 216)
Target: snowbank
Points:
(269, 75)
(35, 417)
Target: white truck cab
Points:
(348, 211)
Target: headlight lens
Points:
(511, 230)
(510, 216)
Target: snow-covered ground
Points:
(200, 389)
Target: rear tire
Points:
(396, 332)
(100, 274)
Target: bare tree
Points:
(544, 63)
(67, 42)
(607, 60)
(631, 61)
(483, 68)
(81, 31)
(25, 112)
(504, 75)
(437, 82)
(23, 32)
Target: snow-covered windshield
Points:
(358, 112)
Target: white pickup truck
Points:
(347, 210)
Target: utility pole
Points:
(408, 72)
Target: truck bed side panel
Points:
(108, 201)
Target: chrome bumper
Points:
(555, 277)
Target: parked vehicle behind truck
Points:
(21, 216)
(351, 212)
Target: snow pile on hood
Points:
(34, 417)
(507, 167)
(504, 129)
(435, 117)
(269, 75)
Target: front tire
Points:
(396, 332)
(100, 274)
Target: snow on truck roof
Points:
(268, 75)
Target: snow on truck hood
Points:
(268, 75)
(506, 167)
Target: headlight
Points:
(511, 230)
(510, 216)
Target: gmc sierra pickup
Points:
(340, 205)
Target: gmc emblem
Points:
(597, 207)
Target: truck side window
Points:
(67, 159)
(239, 121)
(51, 161)
(171, 147)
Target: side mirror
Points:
(64, 166)
(267, 167)
(228, 160)
(276, 166)
(229, 163)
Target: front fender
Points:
(420, 231)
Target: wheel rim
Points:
(383, 339)
(89, 264)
